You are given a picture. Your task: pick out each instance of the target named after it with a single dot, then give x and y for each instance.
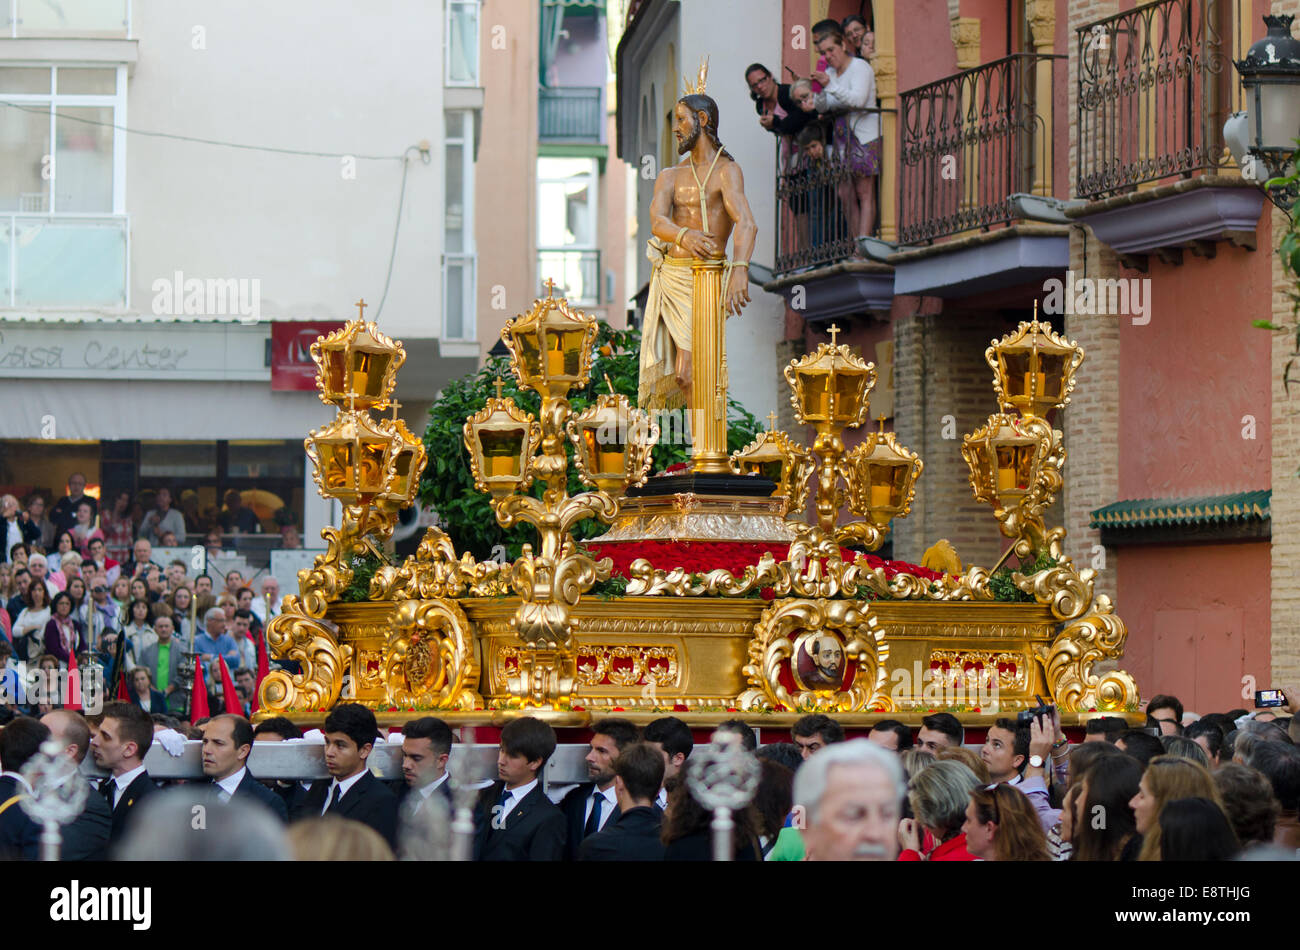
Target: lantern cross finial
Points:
(881, 419)
(361, 308)
(499, 383)
(550, 286)
(771, 421)
(833, 331)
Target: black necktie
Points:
(334, 799)
(593, 820)
(106, 788)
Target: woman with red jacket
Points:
(938, 795)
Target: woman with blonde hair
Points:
(938, 796)
(967, 758)
(337, 839)
(1167, 779)
(1003, 825)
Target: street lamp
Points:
(1265, 134)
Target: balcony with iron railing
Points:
(971, 141)
(576, 273)
(569, 114)
(1155, 86)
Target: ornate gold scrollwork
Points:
(313, 643)
(1068, 663)
(778, 644)
(434, 571)
(431, 657)
(364, 530)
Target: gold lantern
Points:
(612, 443)
(881, 475)
(1004, 456)
(408, 460)
(357, 365)
(351, 457)
(550, 345)
(1034, 368)
(774, 455)
(501, 439)
(832, 386)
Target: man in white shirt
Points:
(353, 791)
(227, 741)
(673, 738)
(426, 746)
(124, 736)
(268, 605)
(590, 806)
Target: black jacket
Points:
(141, 787)
(795, 118)
(85, 838)
(534, 830)
(699, 847)
(574, 806)
(632, 836)
(30, 531)
(368, 801)
(20, 837)
(407, 797)
(251, 789)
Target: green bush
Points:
(447, 485)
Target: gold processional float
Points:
(478, 643)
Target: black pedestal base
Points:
(701, 483)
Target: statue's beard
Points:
(688, 143)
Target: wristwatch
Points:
(1035, 761)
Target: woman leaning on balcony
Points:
(850, 93)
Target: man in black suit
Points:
(426, 746)
(673, 739)
(634, 834)
(20, 837)
(124, 736)
(277, 729)
(227, 741)
(515, 820)
(352, 792)
(588, 808)
(85, 838)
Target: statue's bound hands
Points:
(700, 244)
(737, 291)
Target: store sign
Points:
(187, 351)
(292, 369)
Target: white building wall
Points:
(316, 75)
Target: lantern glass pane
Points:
(529, 350)
(848, 390)
(337, 469)
(501, 450)
(336, 366)
(886, 481)
(368, 371)
(1279, 120)
(402, 472)
(371, 468)
(1051, 368)
(816, 396)
(771, 468)
(1016, 364)
(606, 452)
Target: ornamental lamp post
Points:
(357, 365)
(881, 475)
(501, 439)
(1033, 368)
(1265, 134)
(612, 444)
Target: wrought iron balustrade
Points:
(970, 141)
(569, 114)
(1155, 87)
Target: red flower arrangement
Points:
(700, 557)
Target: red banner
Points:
(291, 367)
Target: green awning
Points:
(1236, 508)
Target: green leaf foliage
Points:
(448, 486)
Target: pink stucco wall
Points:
(1198, 620)
(1190, 377)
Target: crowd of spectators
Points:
(80, 585)
(1181, 788)
(829, 133)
